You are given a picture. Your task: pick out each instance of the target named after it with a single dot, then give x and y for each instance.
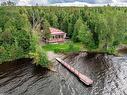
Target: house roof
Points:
(55, 31)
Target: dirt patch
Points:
(51, 55)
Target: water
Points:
(109, 73)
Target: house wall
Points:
(57, 38)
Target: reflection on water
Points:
(109, 73)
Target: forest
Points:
(101, 29)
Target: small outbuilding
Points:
(57, 36)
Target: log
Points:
(82, 77)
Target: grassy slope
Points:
(63, 47)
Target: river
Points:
(109, 73)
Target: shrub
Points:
(37, 53)
(39, 57)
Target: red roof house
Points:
(57, 35)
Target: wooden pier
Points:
(82, 77)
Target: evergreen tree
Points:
(46, 30)
(77, 26)
(54, 21)
(64, 24)
(85, 36)
(70, 30)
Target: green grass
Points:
(67, 47)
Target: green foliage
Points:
(39, 57)
(86, 37)
(46, 30)
(37, 53)
(54, 20)
(111, 30)
(77, 26)
(67, 47)
(23, 40)
(72, 48)
(17, 40)
(10, 52)
(102, 29)
(125, 38)
(15, 34)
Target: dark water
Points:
(123, 51)
(109, 73)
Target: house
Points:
(57, 36)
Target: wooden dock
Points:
(82, 77)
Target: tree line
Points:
(99, 29)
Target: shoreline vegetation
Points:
(98, 29)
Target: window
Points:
(59, 36)
(53, 37)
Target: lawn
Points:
(67, 47)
